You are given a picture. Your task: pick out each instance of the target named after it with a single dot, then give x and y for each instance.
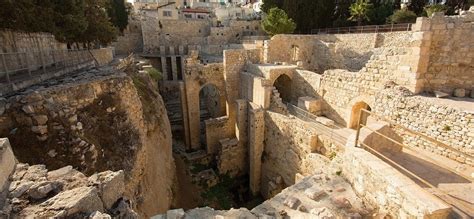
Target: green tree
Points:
(360, 11)
(417, 6)
(430, 10)
(379, 14)
(277, 22)
(99, 29)
(269, 4)
(118, 13)
(70, 20)
(402, 16)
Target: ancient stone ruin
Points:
(358, 125)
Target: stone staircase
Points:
(276, 103)
(173, 108)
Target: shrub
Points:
(154, 74)
(430, 10)
(402, 16)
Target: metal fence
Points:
(364, 29)
(20, 66)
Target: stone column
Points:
(174, 67)
(7, 162)
(256, 137)
(163, 63)
(184, 111)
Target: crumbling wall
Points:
(289, 144)
(445, 122)
(96, 122)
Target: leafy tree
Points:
(269, 4)
(99, 29)
(360, 11)
(277, 22)
(118, 13)
(342, 13)
(70, 20)
(454, 6)
(402, 16)
(417, 6)
(379, 14)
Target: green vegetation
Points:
(155, 74)
(447, 128)
(277, 22)
(360, 11)
(430, 10)
(339, 172)
(88, 22)
(196, 168)
(332, 155)
(402, 16)
(220, 194)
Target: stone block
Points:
(322, 212)
(7, 161)
(440, 94)
(315, 193)
(71, 202)
(292, 202)
(459, 92)
(175, 214)
(111, 186)
(309, 104)
(99, 215)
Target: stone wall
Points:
(131, 40)
(444, 121)
(288, 147)
(322, 52)
(11, 42)
(97, 120)
(451, 52)
(103, 56)
(379, 184)
(158, 33)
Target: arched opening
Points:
(210, 106)
(356, 112)
(283, 85)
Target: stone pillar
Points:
(241, 125)
(174, 67)
(163, 63)
(184, 111)
(256, 146)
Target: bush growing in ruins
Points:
(154, 74)
(277, 22)
(402, 16)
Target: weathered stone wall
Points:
(103, 56)
(95, 121)
(322, 52)
(11, 42)
(379, 184)
(158, 33)
(451, 52)
(288, 147)
(445, 122)
(131, 40)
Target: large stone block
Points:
(310, 104)
(7, 161)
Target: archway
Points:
(210, 106)
(283, 85)
(355, 113)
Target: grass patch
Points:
(339, 172)
(220, 193)
(155, 74)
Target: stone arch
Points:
(354, 107)
(283, 84)
(355, 113)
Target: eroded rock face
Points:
(64, 193)
(96, 121)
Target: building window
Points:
(188, 16)
(200, 17)
(166, 13)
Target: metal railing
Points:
(364, 29)
(456, 205)
(21, 66)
